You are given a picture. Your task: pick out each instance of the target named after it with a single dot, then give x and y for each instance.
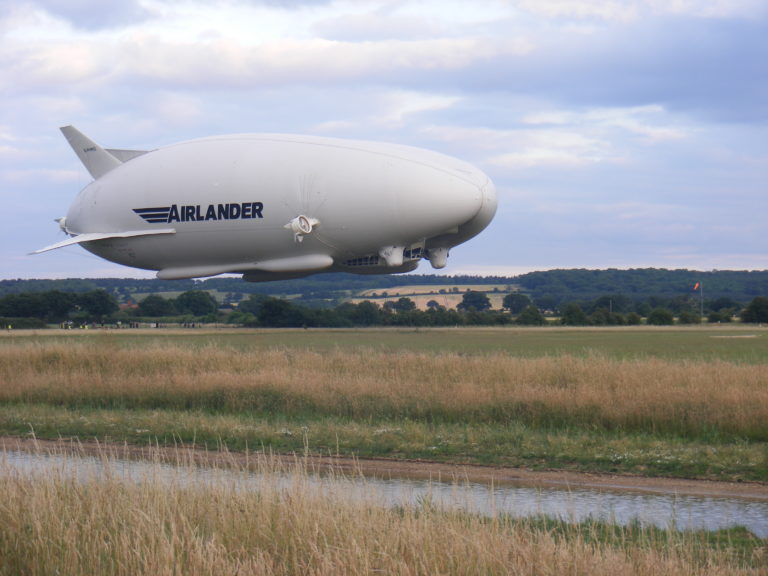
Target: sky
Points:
(619, 134)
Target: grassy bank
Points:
(80, 521)
(603, 407)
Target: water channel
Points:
(681, 512)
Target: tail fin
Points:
(96, 160)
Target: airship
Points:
(274, 206)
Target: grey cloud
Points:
(96, 14)
(713, 69)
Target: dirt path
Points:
(386, 468)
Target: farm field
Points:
(447, 296)
(688, 403)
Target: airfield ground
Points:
(672, 402)
(681, 410)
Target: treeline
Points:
(567, 285)
(36, 309)
(313, 287)
(475, 310)
(98, 306)
(560, 286)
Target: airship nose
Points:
(441, 201)
(474, 199)
(480, 205)
(488, 208)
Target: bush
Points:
(531, 316)
(757, 311)
(660, 317)
(688, 318)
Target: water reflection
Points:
(664, 511)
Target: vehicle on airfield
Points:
(274, 206)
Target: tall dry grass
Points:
(681, 397)
(71, 521)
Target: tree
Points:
(756, 311)
(633, 319)
(573, 315)
(474, 300)
(279, 313)
(723, 303)
(687, 317)
(615, 303)
(97, 304)
(718, 317)
(196, 302)
(531, 316)
(515, 302)
(155, 305)
(660, 317)
(402, 305)
(57, 305)
(366, 313)
(252, 305)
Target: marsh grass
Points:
(505, 445)
(650, 415)
(78, 520)
(693, 399)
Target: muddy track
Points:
(390, 468)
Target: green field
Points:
(733, 343)
(659, 402)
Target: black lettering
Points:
(201, 212)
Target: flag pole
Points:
(700, 287)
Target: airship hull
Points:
(272, 206)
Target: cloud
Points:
(626, 10)
(377, 26)
(94, 14)
(221, 63)
(702, 67)
(636, 120)
(604, 9)
(561, 139)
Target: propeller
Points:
(308, 205)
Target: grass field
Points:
(78, 520)
(674, 402)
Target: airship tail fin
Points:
(125, 155)
(96, 160)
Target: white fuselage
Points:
(231, 204)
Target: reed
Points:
(694, 399)
(75, 520)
